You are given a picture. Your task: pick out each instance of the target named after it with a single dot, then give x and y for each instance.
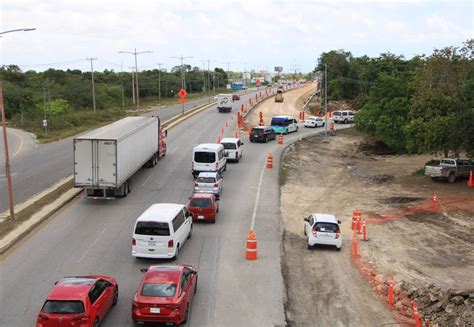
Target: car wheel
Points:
(96, 322)
(225, 167)
(339, 249)
(310, 247)
(452, 177)
(213, 221)
(434, 179)
(345, 121)
(115, 299)
(176, 254)
(185, 320)
(190, 233)
(265, 140)
(196, 285)
(304, 231)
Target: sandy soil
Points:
(405, 238)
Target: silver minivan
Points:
(161, 231)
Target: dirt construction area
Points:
(427, 250)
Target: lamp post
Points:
(326, 99)
(5, 136)
(183, 76)
(92, 78)
(208, 81)
(135, 53)
(159, 80)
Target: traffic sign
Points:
(182, 94)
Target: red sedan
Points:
(165, 294)
(203, 206)
(79, 301)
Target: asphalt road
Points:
(52, 161)
(90, 236)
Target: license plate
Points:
(151, 243)
(200, 217)
(154, 310)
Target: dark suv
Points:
(262, 134)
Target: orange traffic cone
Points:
(236, 134)
(470, 182)
(222, 130)
(219, 140)
(251, 248)
(270, 160)
(280, 138)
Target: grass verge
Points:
(22, 216)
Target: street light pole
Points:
(92, 77)
(5, 136)
(7, 156)
(326, 99)
(159, 80)
(208, 80)
(135, 53)
(182, 78)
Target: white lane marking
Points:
(255, 206)
(90, 246)
(146, 180)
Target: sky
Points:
(256, 34)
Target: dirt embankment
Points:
(430, 253)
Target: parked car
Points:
(235, 97)
(449, 169)
(161, 231)
(262, 134)
(210, 182)
(203, 206)
(322, 229)
(165, 294)
(313, 121)
(79, 301)
(343, 116)
(233, 148)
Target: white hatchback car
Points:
(322, 229)
(210, 182)
(314, 122)
(232, 148)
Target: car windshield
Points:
(159, 290)
(206, 180)
(257, 131)
(201, 203)
(152, 228)
(204, 157)
(63, 307)
(280, 122)
(229, 146)
(326, 227)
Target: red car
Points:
(165, 294)
(79, 301)
(235, 97)
(203, 206)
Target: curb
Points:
(23, 229)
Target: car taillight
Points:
(134, 242)
(170, 243)
(338, 234)
(81, 317)
(215, 184)
(134, 305)
(193, 165)
(196, 184)
(315, 233)
(42, 316)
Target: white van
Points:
(343, 116)
(232, 148)
(161, 231)
(209, 157)
(224, 102)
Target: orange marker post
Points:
(364, 229)
(390, 292)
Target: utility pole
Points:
(204, 74)
(159, 80)
(92, 77)
(326, 99)
(208, 79)
(133, 86)
(121, 78)
(7, 156)
(183, 76)
(135, 53)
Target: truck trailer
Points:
(106, 158)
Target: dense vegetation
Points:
(421, 105)
(64, 98)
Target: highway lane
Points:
(53, 161)
(95, 236)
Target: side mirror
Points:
(56, 282)
(339, 222)
(194, 272)
(143, 270)
(306, 219)
(166, 132)
(241, 143)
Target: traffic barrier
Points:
(355, 245)
(390, 292)
(270, 160)
(470, 182)
(355, 215)
(219, 139)
(251, 248)
(416, 315)
(359, 225)
(435, 200)
(364, 229)
(280, 138)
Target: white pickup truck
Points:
(449, 169)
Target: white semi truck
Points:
(106, 158)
